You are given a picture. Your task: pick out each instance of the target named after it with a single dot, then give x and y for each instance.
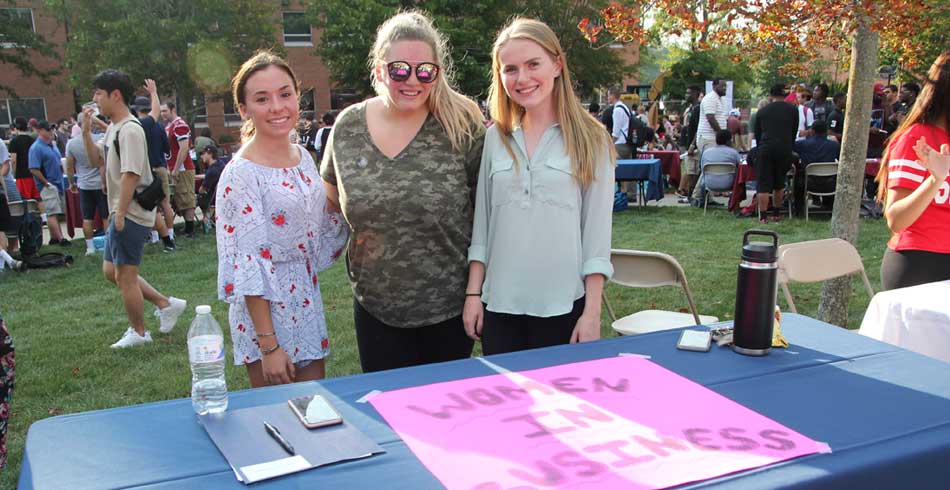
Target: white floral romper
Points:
(274, 235)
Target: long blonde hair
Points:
(458, 115)
(254, 64)
(585, 138)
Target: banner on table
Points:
(621, 422)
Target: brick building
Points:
(58, 99)
(36, 99)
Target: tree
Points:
(349, 28)
(760, 27)
(189, 48)
(21, 45)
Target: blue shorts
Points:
(125, 247)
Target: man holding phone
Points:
(123, 153)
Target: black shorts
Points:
(90, 202)
(771, 166)
(9, 224)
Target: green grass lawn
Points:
(64, 320)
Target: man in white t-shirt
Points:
(806, 117)
(712, 119)
(621, 123)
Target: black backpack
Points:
(634, 128)
(30, 234)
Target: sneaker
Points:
(19, 265)
(90, 252)
(776, 218)
(64, 243)
(53, 241)
(169, 245)
(763, 220)
(131, 338)
(683, 200)
(168, 316)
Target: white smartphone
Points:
(314, 411)
(695, 340)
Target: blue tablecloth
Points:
(645, 170)
(884, 411)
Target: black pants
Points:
(502, 332)
(912, 267)
(385, 347)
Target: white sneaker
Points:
(131, 338)
(90, 252)
(169, 315)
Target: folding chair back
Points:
(817, 261)
(717, 177)
(639, 269)
(818, 169)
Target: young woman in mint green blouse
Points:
(540, 249)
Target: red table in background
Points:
(669, 163)
(746, 174)
(74, 215)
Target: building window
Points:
(201, 111)
(297, 30)
(11, 109)
(306, 101)
(20, 17)
(231, 115)
(341, 99)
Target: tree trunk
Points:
(835, 294)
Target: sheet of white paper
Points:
(284, 466)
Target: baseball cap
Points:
(878, 88)
(44, 125)
(141, 104)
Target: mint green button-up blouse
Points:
(538, 231)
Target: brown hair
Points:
(585, 140)
(932, 105)
(256, 63)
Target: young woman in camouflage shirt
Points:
(541, 238)
(403, 168)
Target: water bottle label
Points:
(205, 348)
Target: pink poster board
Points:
(621, 422)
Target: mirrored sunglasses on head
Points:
(399, 71)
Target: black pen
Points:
(275, 434)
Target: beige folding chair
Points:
(721, 170)
(638, 269)
(818, 169)
(817, 261)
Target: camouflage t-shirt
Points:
(410, 219)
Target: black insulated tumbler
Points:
(755, 295)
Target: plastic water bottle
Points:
(209, 390)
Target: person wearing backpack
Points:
(619, 124)
(127, 171)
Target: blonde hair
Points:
(585, 138)
(256, 63)
(458, 115)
